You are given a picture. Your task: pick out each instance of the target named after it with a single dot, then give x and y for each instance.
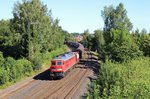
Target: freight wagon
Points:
(76, 47)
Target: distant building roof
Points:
(78, 38)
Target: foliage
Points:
(125, 71)
(143, 41)
(69, 36)
(98, 40)
(46, 57)
(1, 59)
(87, 39)
(123, 47)
(12, 70)
(28, 40)
(37, 63)
(3, 76)
(119, 45)
(31, 31)
(125, 80)
(116, 19)
(93, 92)
(24, 67)
(98, 43)
(37, 29)
(5, 35)
(7, 39)
(145, 45)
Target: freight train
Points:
(61, 64)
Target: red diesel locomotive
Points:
(62, 63)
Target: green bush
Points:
(1, 59)
(37, 63)
(46, 57)
(123, 80)
(4, 78)
(145, 44)
(10, 67)
(123, 51)
(12, 70)
(24, 67)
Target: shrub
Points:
(125, 51)
(10, 67)
(1, 59)
(3, 76)
(24, 67)
(12, 70)
(37, 63)
(123, 80)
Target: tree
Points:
(57, 35)
(5, 38)
(99, 39)
(87, 39)
(33, 22)
(120, 45)
(8, 40)
(115, 19)
(144, 42)
(1, 59)
(98, 43)
(142, 39)
(69, 36)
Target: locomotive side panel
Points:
(69, 63)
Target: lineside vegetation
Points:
(29, 40)
(124, 55)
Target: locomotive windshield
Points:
(59, 63)
(53, 63)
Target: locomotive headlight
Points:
(59, 69)
(55, 70)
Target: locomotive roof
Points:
(65, 56)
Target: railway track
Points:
(52, 89)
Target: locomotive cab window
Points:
(53, 63)
(59, 63)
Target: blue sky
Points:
(79, 15)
